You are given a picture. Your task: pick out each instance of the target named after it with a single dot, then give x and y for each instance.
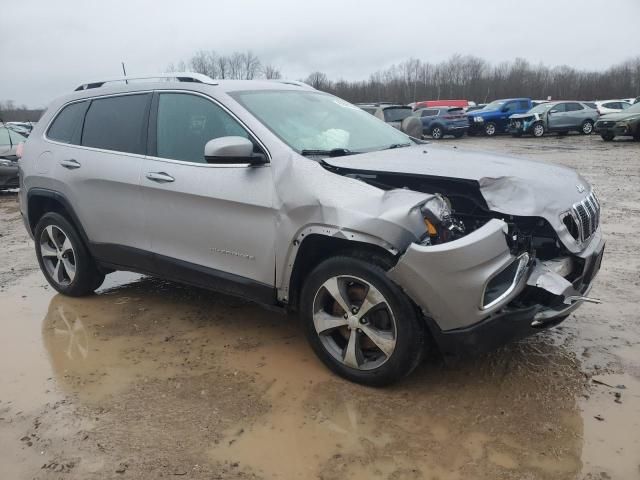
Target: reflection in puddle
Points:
(162, 363)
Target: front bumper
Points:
(612, 128)
(520, 126)
(448, 283)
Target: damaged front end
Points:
(500, 282)
(522, 123)
(501, 258)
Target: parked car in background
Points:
(560, 117)
(494, 118)
(611, 106)
(9, 141)
(443, 103)
(620, 124)
(398, 116)
(438, 122)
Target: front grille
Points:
(587, 215)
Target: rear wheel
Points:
(538, 130)
(587, 127)
(437, 133)
(63, 257)
(490, 129)
(359, 323)
(607, 137)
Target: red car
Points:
(442, 103)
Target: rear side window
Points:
(187, 122)
(66, 126)
(591, 105)
(429, 113)
(117, 123)
(624, 105)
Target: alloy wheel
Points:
(490, 129)
(538, 130)
(58, 255)
(436, 133)
(354, 322)
(587, 128)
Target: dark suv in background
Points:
(441, 121)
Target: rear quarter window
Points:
(66, 126)
(117, 123)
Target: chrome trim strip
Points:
(523, 262)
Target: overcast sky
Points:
(50, 46)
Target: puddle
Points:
(169, 380)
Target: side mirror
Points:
(232, 150)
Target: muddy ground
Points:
(149, 379)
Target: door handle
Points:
(160, 177)
(70, 164)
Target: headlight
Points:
(478, 119)
(439, 221)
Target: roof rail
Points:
(179, 76)
(293, 82)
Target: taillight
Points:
(20, 150)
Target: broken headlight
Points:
(442, 226)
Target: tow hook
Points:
(579, 298)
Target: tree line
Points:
(460, 77)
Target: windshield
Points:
(543, 107)
(495, 105)
(307, 120)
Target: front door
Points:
(557, 117)
(210, 218)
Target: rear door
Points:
(212, 218)
(576, 114)
(97, 163)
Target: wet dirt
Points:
(149, 379)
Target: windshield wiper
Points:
(334, 152)
(397, 145)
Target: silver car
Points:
(559, 117)
(385, 246)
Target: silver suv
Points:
(385, 246)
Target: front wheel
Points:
(63, 257)
(490, 129)
(359, 323)
(538, 130)
(587, 127)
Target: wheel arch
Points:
(41, 201)
(315, 244)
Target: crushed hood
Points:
(522, 115)
(509, 185)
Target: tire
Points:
(437, 132)
(63, 257)
(607, 137)
(458, 135)
(345, 346)
(586, 128)
(490, 129)
(538, 130)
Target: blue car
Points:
(494, 118)
(440, 121)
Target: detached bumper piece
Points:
(476, 295)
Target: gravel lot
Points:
(150, 379)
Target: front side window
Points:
(117, 123)
(559, 108)
(187, 122)
(66, 126)
(310, 120)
